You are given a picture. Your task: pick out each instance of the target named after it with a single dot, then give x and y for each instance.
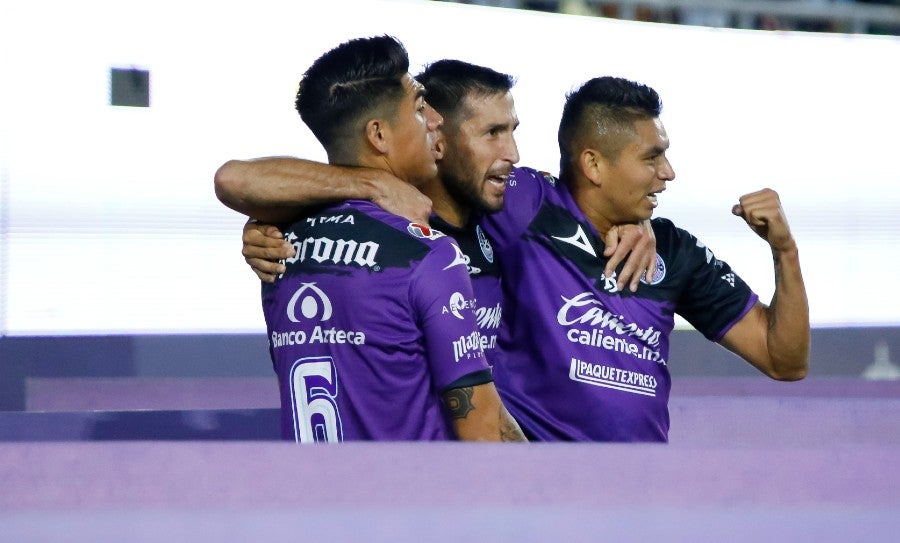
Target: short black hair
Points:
(449, 81)
(605, 106)
(353, 79)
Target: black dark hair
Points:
(605, 106)
(348, 81)
(448, 82)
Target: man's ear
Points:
(593, 165)
(378, 135)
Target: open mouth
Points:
(498, 180)
(437, 152)
(652, 198)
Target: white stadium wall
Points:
(109, 225)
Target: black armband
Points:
(473, 379)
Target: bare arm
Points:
(275, 189)
(774, 338)
(479, 415)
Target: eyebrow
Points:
(655, 150)
(421, 91)
(503, 126)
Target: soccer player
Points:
(583, 359)
(577, 371)
(371, 326)
(479, 123)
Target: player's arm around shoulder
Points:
(478, 414)
(774, 338)
(278, 189)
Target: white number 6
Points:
(314, 389)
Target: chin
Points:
(492, 206)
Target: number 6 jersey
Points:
(372, 320)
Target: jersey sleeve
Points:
(525, 189)
(715, 297)
(442, 295)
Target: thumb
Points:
(611, 241)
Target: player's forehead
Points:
(490, 108)
(413, 90)
(650, 133)
(412, 85)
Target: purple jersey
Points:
(484, 271)
(371, 322)
(582, 360)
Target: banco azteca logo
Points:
(312, 301)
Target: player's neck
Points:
(451, 212)
(600, 222)
(445, 206)
(586, 198)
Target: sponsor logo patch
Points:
(423, 231)
(457, 304)
(489, 317)
(467, 347)
(339, 251)
(548, 177)
(614, 378)
(310, 303)
(591, 323)
(313, 303)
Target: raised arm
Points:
(774, 338)
(479, 415)
(275, 189)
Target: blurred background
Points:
(117, 259)
(846, 16)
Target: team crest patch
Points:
(548, 177)
(423, 231)
(485, 244)
(659, 273)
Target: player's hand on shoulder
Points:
(264, 246)
(762, 211)
(635, 244)
(398, 197)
